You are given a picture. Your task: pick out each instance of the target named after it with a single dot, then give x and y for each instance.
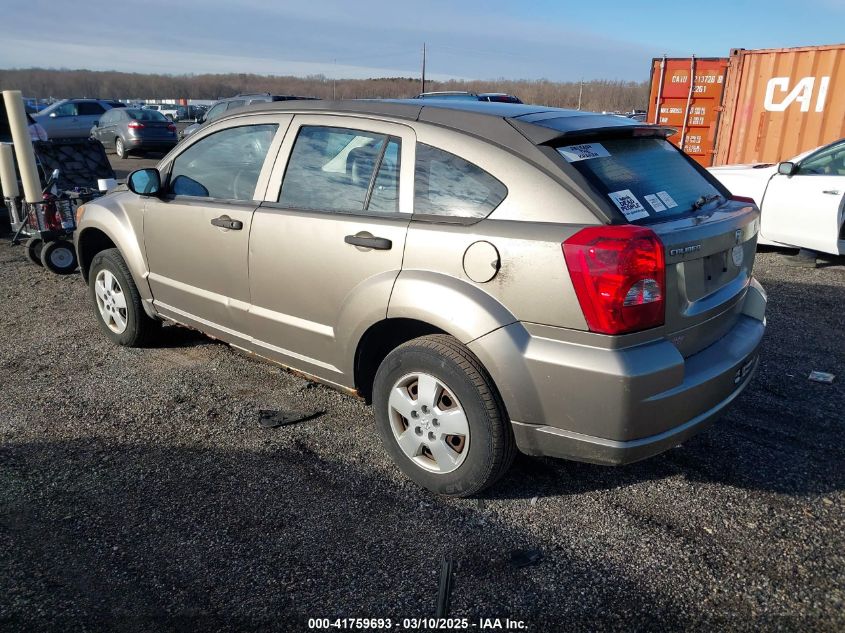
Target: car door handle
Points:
(225, 222)
(832, 192)
(368, 241)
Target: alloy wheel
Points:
(111, 302)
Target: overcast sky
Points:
(556, 40)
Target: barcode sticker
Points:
(655, 203)
(628, 204)
(584, 151)
(666, 199)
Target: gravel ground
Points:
(138, 493)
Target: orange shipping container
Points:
(691, 107)
(756, 106)
(781, 102)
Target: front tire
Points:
(440, 417)
(120, 148)
(117, 304)
(59, 257)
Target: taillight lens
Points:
(171, 127)
(135, 125)
(619, 276)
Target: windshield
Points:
(647, 179)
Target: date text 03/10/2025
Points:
(418, 624)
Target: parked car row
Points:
(461, 95)
(516, 277)
(73, 118)
(175, 112)
(238, 101)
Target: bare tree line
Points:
(610, 95)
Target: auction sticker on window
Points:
(584, 151)
(667, 199)
(628, 204)
(655, 203)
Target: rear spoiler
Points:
(552, 131)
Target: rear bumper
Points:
(616, 406)
(152, 145)
(538, 439)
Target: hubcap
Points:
(111, 302)
(61, 257)
(428, 423)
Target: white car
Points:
(802, 200)
(172, 112)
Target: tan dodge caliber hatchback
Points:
(491, 277)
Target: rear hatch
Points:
(157, 130)
(709, 239)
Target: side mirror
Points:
(787, 168)
(53, 115)
(96, 124)
(144, 182)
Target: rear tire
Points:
(463, 393)
(120, 148)
(59, 257)
(33, 250)
(116, 302)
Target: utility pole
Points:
(580, 92)
(422, 83)
(334, 80)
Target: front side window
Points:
(331, 169)
(224, 165)
(66, 109)
(827, 162)
(451, 187)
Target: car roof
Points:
(491, 120)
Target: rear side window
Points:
(450, 187)
(647, 179)
(385, 195)
(234, 104)
(90, 107)
(331, 169)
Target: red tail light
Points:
(135, 125)
(171, 127)
(619, 276)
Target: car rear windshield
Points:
(145, 115)
(647, 179)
